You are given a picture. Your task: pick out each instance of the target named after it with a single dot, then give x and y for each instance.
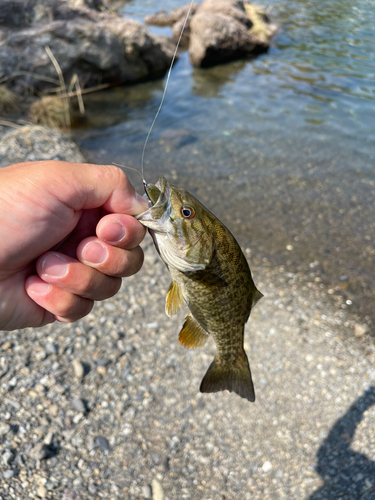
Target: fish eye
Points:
(187, 212)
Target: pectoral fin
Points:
(192, 334)
(174, 299)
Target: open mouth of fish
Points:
(158, 196)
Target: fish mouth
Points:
(158, 193)
(158, 196)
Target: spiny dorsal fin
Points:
(192, 334)
(174, 299)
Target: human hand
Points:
(67, 237)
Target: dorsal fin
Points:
(192, 334)
(174, 299)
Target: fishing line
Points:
(130, 168)
(163, 96)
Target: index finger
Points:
(83, 186)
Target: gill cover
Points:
(183, 244)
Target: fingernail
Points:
(141, 200)
(54, 266)
(94, 253)
(113, 232)
(39, 288)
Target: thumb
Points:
(83, 186)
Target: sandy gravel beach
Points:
(109, 407)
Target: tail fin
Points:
(234, 377)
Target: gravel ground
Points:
(109, 407)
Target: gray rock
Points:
(7, 457)
(24, 13)
(98, 48)
(79, 405)
(51, 348)
(91, 488)
(8, 474)
(33, 142)
(146, 491)
(4, 429)
(102, 361)
(101, 442)
(40, 452)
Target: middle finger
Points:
(72, 276)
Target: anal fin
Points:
(257, 296)
(174, 299)
(192, 335)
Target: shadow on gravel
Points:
(347, 475)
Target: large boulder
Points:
(225, 30)
(216, 38)
(33, 142)
(97, 47)
(218, 31)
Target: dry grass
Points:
(51, 111)
(8, 101)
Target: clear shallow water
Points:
(280, 147)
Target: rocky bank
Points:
(98, 47)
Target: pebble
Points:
(360, 330)
(77, 418)
(79, 405)
(4, 429)
(78, 368)
(41, 491)
(54, 410)
(51, 348)
(157, 490)
(8, 474)
(7, 345)
(41, 355)
(48, 439)
(40, 452)
(39, 388)
(102, 370)
(267, 466)
(102, 442)
(102, 361)
(91, 488)
(7, 457)
(146, 491)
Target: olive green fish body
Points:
(211, 276)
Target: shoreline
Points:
(137, 411)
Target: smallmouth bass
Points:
(210, 274)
